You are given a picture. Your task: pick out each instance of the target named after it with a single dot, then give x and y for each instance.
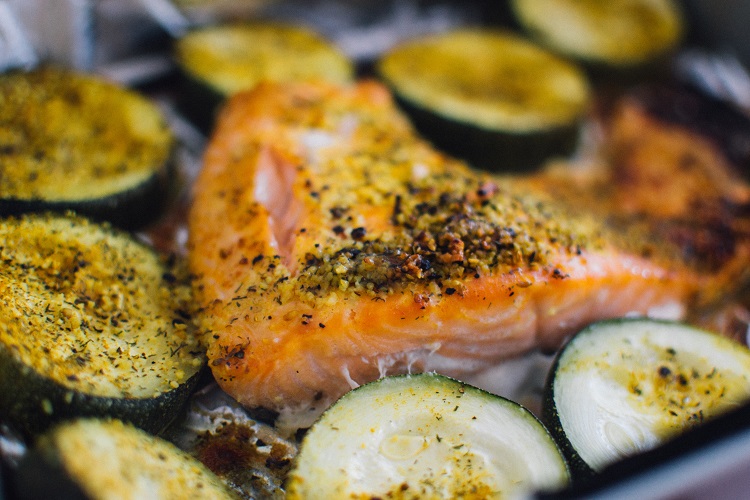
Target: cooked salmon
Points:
(332, 246)
(675, 164)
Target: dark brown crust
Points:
(705, 150)
(703, 115)
(669, 176)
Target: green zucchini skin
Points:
(132, 209)
(199, 101)
(491, 150)
(37, 477)
(71, 141)
(581, 470)
(94, 323)
(34, 403)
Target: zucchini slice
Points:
(624, 386)
(72, 141)
(92, 323)
(103, 459)
(219, 61)
(425, 436)
(488, 96)
(616, 33)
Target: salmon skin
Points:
(332, 246)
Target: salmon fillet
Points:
(332, 246)
(674, 164)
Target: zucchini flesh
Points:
(493, 79)
(488, 96)
(425, 436)
(107, 459)
(618, 33)
(235, 57)
(71, 141)
(620, 387)
(93, 322)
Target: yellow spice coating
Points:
(620, 32)
(238, 56)
(491, 78)
(112, 460)
(93, 309)
(70, 136)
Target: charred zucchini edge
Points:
(40, 397)
(402, 431)
(667, 371)
(75, 141)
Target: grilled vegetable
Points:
(71, 141)
(102, 459)
(624, 386)
(488, 96)
(92, 323)
(425, 436)
(619, 34)
(219, 61)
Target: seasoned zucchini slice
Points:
(71, 141)
(92, 323)
(488, 96)
(218, 61)
(615, 33)
(624, 386)
(103, 459)
(425, 436)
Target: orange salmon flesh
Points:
(332, 246)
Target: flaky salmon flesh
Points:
(332, 246)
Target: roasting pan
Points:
(129, 40)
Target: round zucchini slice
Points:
(619, 34)
(218, 61)
(425, 436)
(624, 386)
(103, 459)
(93, 323)
(72, 141)
(488, 96)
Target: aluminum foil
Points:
(249, 455)
(130, 40)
